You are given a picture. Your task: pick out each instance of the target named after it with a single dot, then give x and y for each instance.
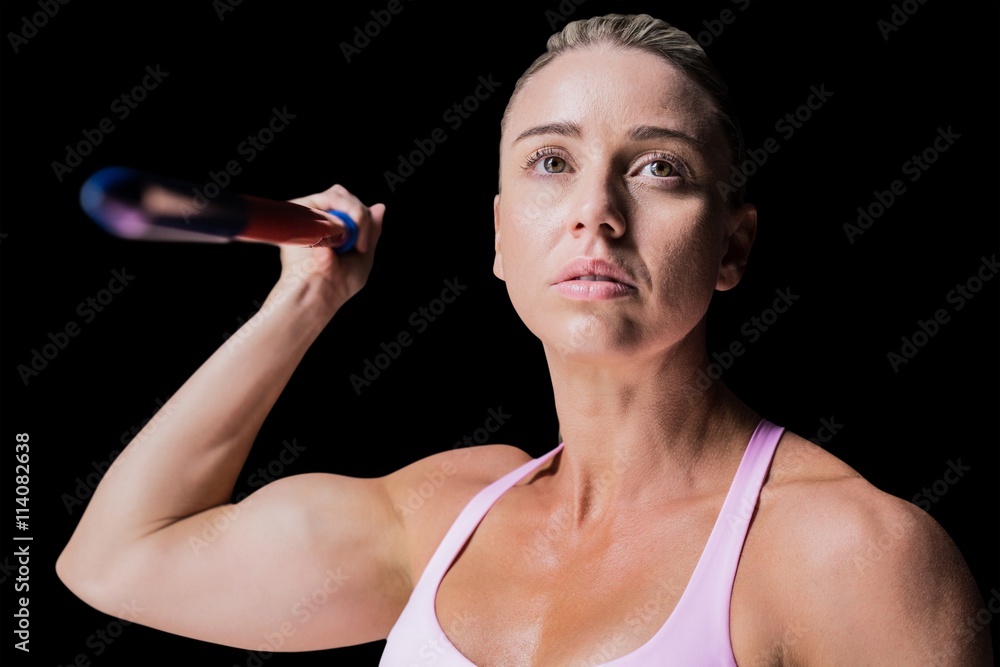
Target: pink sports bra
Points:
(696, 632)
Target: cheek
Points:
(681, 250)
(535, 202)
(526, 253)
(529, 227)
(529, 233)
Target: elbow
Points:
(100, 579)
(83, 581)
(70, 574)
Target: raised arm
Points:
(308, 562)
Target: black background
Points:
(825, 358)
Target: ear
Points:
(498, 259)
(740, 234)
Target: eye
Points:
(547, 160)
(553, 164)
(661, 168)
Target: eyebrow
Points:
(563, 128)
(640, 133)
(646, 132)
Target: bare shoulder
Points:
(428, 495)
(868, 577)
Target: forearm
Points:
(189, 458)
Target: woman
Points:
(620, 545)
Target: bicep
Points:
(307, 562)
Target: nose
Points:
(597, 205)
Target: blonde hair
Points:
(642, 31)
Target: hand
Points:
(335, 277)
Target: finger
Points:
(324, 200)
(337, 197)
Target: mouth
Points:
(594, 269)
(593, 288)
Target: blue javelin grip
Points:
(352, 231)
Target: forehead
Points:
(606, 89)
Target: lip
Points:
(592, 266)
(592, 289)
(619, 283)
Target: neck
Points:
(642, 430)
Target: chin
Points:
(589, 345)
